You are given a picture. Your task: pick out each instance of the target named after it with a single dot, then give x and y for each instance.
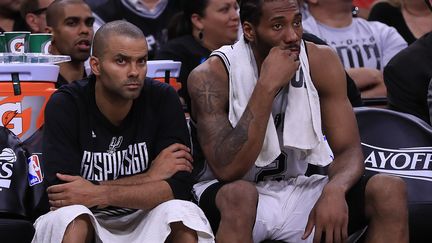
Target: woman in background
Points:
(203, 26)
(411, 18)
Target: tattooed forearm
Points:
(220, 141)
(232, 143)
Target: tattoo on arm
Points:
(207, 95)
(210, 98)
(234, 141)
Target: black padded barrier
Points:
(400, 144)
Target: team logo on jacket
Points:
(7, 160)
(34, 170)
(412, 163)
(115, 144)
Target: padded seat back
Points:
(400, 144)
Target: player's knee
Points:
(181, 233)
(386, 193)
(81, 223)
(79, 230)
(239, 197)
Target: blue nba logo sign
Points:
(34, 170)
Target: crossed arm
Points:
(141, 191)
(167, 177)
(369, 81)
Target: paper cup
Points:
(17, 42)
(40, 43)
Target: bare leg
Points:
(237, 204)
(181, 234)
(79, 230)
(386, 207)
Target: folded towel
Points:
(140, 226)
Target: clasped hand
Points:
(77, 190)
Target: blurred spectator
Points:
(34, 13)
(352, 91)
(407, 78)
(10, 18)
(411, 18)
(303, 9)
(363, 7)
(363, 47)
(204, 25)
(72, 33)
(94, 4)
(151, 16)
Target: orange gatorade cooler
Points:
(166, 71)
(24, 92)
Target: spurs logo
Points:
(7, 160)
(115, 144)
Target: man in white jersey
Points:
(259, 111)
(364, 47)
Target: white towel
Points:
(140, 226)
(302, 124)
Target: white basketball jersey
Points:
(291, 162)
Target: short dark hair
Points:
(57, 7)
(181, 24)
(28, 6)
(428, 4)
(118, 27)
(251, 11)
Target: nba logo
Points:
(35, 173)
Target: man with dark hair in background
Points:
(71, 25)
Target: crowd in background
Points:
(186, 32)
